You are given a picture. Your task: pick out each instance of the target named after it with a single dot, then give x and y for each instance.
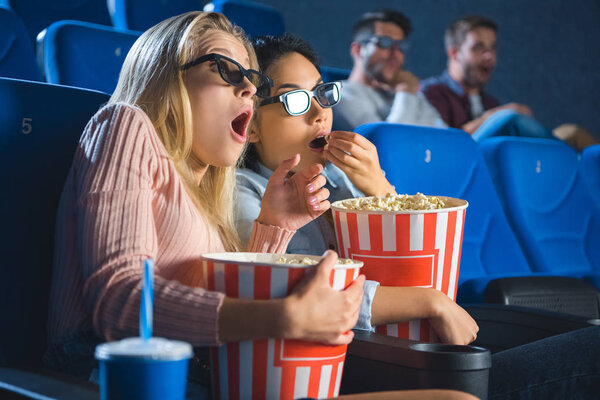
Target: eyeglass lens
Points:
(385, 42)
(327, 95)
(234, 75)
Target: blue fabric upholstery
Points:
(85, 55)
(139, 15)
(334, 74)
(17, 59)
(256, 19)
(547, 203)
(448, 162)
(38, 14)
(40, 125)
(590, 170)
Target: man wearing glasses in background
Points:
(378, 88)
(458, 93)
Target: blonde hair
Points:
(151, 78)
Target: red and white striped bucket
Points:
(272, 368)
(418, 248)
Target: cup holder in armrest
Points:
(447, 348)
(377, 362)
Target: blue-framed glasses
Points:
(297, 102)
(233, 73)
(386, 42)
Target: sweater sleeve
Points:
(247, 204)
(121, 159)
(413, 109)
(435, 97)
(354, 109)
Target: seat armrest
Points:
(502, 327)
(376, 362)
(552, 293)
(16, 383)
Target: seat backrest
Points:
(40, 126)
(589, 167)
(447, 162)
(256, 19)
(85, 55)
(17, 59)
(38, 14)
(334, 74)
(139, 15)
(547, 203)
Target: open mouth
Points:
(486, 70)
(318, 143)
(240, 123)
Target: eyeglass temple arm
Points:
(270, 100)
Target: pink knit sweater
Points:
(122, 203)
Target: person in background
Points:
(296, 119)
(459, 96)
(379, 88)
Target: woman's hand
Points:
(357, 157)
(317, 312)
(291, 203)
(451, 322)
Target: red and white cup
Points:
(419, 248)
(272, 368)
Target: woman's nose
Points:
(316, 112)
(245, 89)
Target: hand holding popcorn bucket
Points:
(404, 241)
(273, 368)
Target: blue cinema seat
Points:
(447, 162)
(84, 55)
(330, 74)
(548, 204)
(255, 18)
(40, 126)
(492, 266)
(139, 15)
(589, 167)
(38, 14)
(17, 59)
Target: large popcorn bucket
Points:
(272, 368)
(419, 248)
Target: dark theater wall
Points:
(549, 50)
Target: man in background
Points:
(458, 93)
(378, 88)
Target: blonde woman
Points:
(153, 176)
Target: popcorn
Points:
(395, 202)
(308, 261)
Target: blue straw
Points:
(147, 300)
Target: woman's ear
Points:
(253, 136)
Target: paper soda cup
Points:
(135, 369)
(419, 248)
(272, 368)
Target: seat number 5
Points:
(26, 126)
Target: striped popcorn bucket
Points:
(272, 368)
(419, 248)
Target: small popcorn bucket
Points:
(272, 368)
(419, 248)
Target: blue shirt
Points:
(315, 237)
